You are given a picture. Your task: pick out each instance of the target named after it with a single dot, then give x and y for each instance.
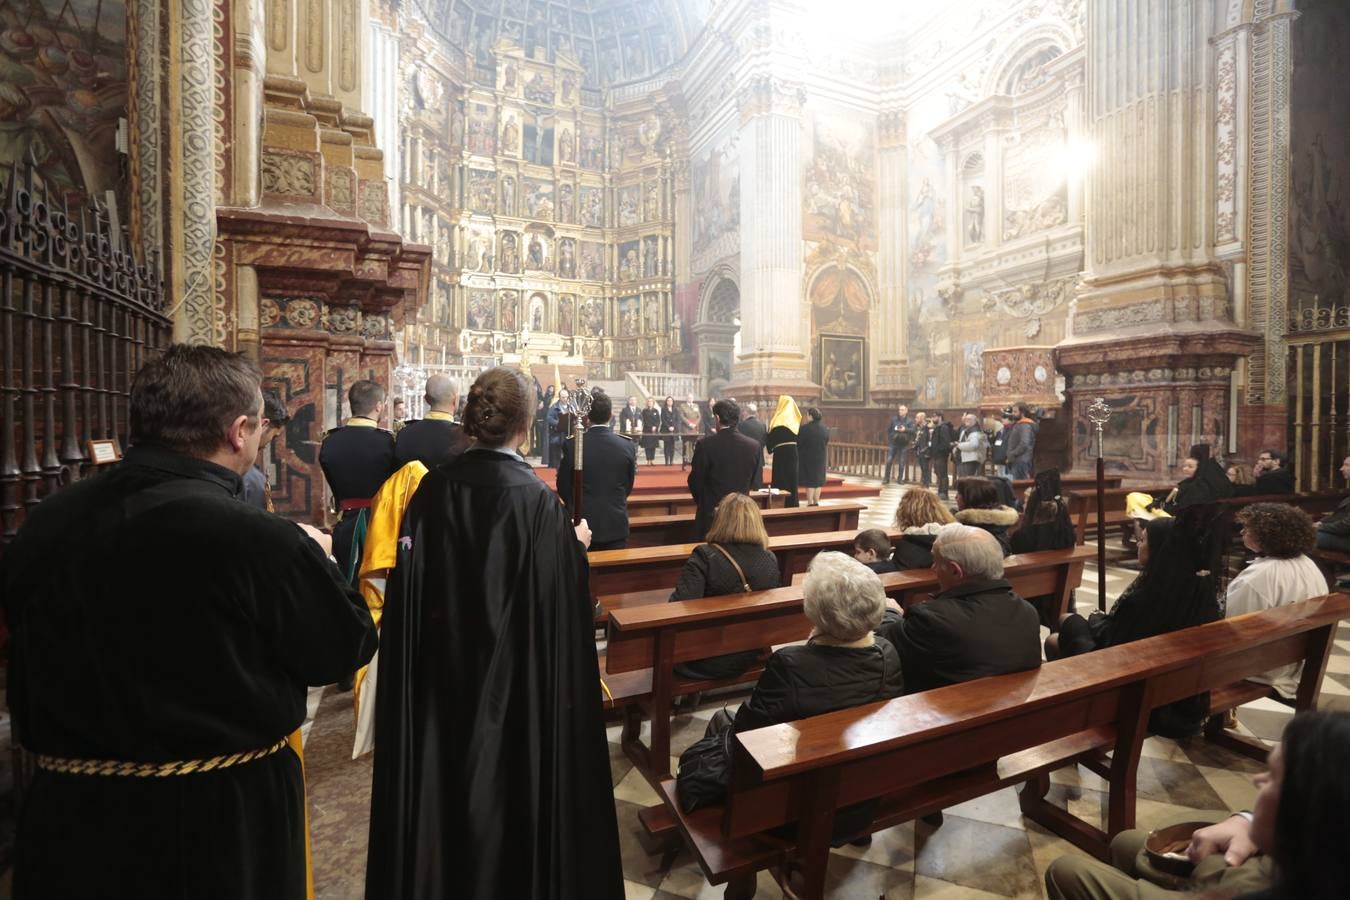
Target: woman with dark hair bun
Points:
(492, 769)
(811, 440)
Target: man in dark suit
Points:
(557, 425)
(356, 458)
(610, 467)
(1273, 476)
(752, 427)
(438, 438)
(630, 418)
(724, 463)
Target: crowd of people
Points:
(491, 773)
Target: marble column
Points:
(775, 331)
(888, 339)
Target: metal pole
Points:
(1098, 414)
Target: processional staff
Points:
(1098, 413)
(581, 403)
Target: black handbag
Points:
(705, 768)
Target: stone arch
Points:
(717, 326)
(1041, 40)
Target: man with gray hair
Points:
(974, 626)
(438, 438)
(754, 428)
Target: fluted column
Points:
(774, 319)
(891, 375)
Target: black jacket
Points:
(708, 573)
(813, 678)
(882, 566)
(433, 441)
(1276, 481)
(630, 420)
(901, 431)
(941, 439)
(757, 431)
(356, 460)
(1209, 483)
(811, 441)
(914, 551)
(610, 467)
(724, 463)
(974, 629)
(997, 522)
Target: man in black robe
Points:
(752, 427)
(723, 464)
(356, 458)
(492, 770)
(160, 625)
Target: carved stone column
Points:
(774, 355)
(889, 340)
(1154, 301)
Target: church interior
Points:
(956, 206)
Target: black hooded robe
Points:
(491, 774)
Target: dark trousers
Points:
(939, 464)
(898, 454)
(649, 448)
(1019, 470)
(967, 469)
(620, 544)
(668, 448)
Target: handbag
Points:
(705, 767)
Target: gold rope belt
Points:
(151, 770)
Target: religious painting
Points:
(567, 305)
(630, 316)
(611, 61)
(629, 266)
(839, 187)
(927, 210)
(508, 302)
(629, 209)
(593, 206)
(482, 316)
(717, 365)
(567, 90)
(592, 317)
(1035, 195)
(557, 20)
(538, 312)
(634, 55)
(514, 9)
(482, 137)
(652, 313)
(538, 254)
(590, 76)
(508, 207)
(592, 152)
(567, 258)
(538, 147)
(592, 261)
(482, 190)
(972, 354)
(479, 252)
(562, 44)
(509, 257)
(842, 367)
(651, 256)
(539, 88)
(539, 199)
(651, 201)
(972, 216)
(484, 34)
(567, 203)
(457, 124)
(717, 200)
(510, 136)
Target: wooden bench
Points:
(1331, 563)
(680, 502)
(1069, 483)
(924, 752)
(1083, 508)
(652, 569)
(652, 638)
(653, 531)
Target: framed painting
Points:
(842, 368)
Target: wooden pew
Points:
(681, 503)
(924, 752)
(650, 569)
(654, 637)
(1083, 508)
(1069, 483)
(653, 531)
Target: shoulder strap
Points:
(740, 573)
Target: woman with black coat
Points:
(811, 441)
(781, 443)
(977, 504)
(670, 425)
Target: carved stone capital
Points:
(766, 95)
(891, 128)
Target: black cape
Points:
(491, 770)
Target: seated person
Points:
(1240, 475)
(1280, 535)
(974, 626)
(1045, 522)
(1333, 532)
(1177, 587)
(1289, 847)
(919, 516)
(872, 548)
(977, 504)
(1273, 476)
(736, 559)
(1202, 481)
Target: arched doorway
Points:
(717, 332)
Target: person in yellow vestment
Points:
(781, 442)
(381, 549)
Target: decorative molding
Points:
(315, 26)
(349, 45)
(1119, 317)
(290, 173)
(765, 95)
(194, 126)
(1148, 377)
(146, 101)
(341, 191)
(1225, 144)
(1031, 301)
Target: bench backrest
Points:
(783, 772)
(696, 629)
(653, 531)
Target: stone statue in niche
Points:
(569, 88)
(567, 262)
(649, 132)
(975, 215)
(565, 314)
(593, 317)
(511, 137)
(649, 262)
(534, 258)
(537, 312)
(510, 253)
(653, 314)
(509, 77)
(508, 315)
(566, 147)
(567, 208)
(653, 203)
(508, 196)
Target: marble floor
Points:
(983, 849)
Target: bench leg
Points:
(1058, 821)
(742, 887)
(1219, 736)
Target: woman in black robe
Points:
(670, 426)
(492, 770)
(811, 441)
(782, 445)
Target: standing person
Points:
(257, 486)
(998, 449)
(541, 422)
(356, 458)
(707, 422)
(972, 443)
(651, 427)
(630, 418)
(399, 416)
(125, 705)
(438, 438)
(811, 441)
(753, 427)
(610, 468)
(781, 442)
(557, 426)
(691, 426)
(670, 427)
(899, 436)
(940, 441)
(923, 434)
(723, 464)
(492, 776)
(1022, 444)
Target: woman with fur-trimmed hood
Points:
(977, 504)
